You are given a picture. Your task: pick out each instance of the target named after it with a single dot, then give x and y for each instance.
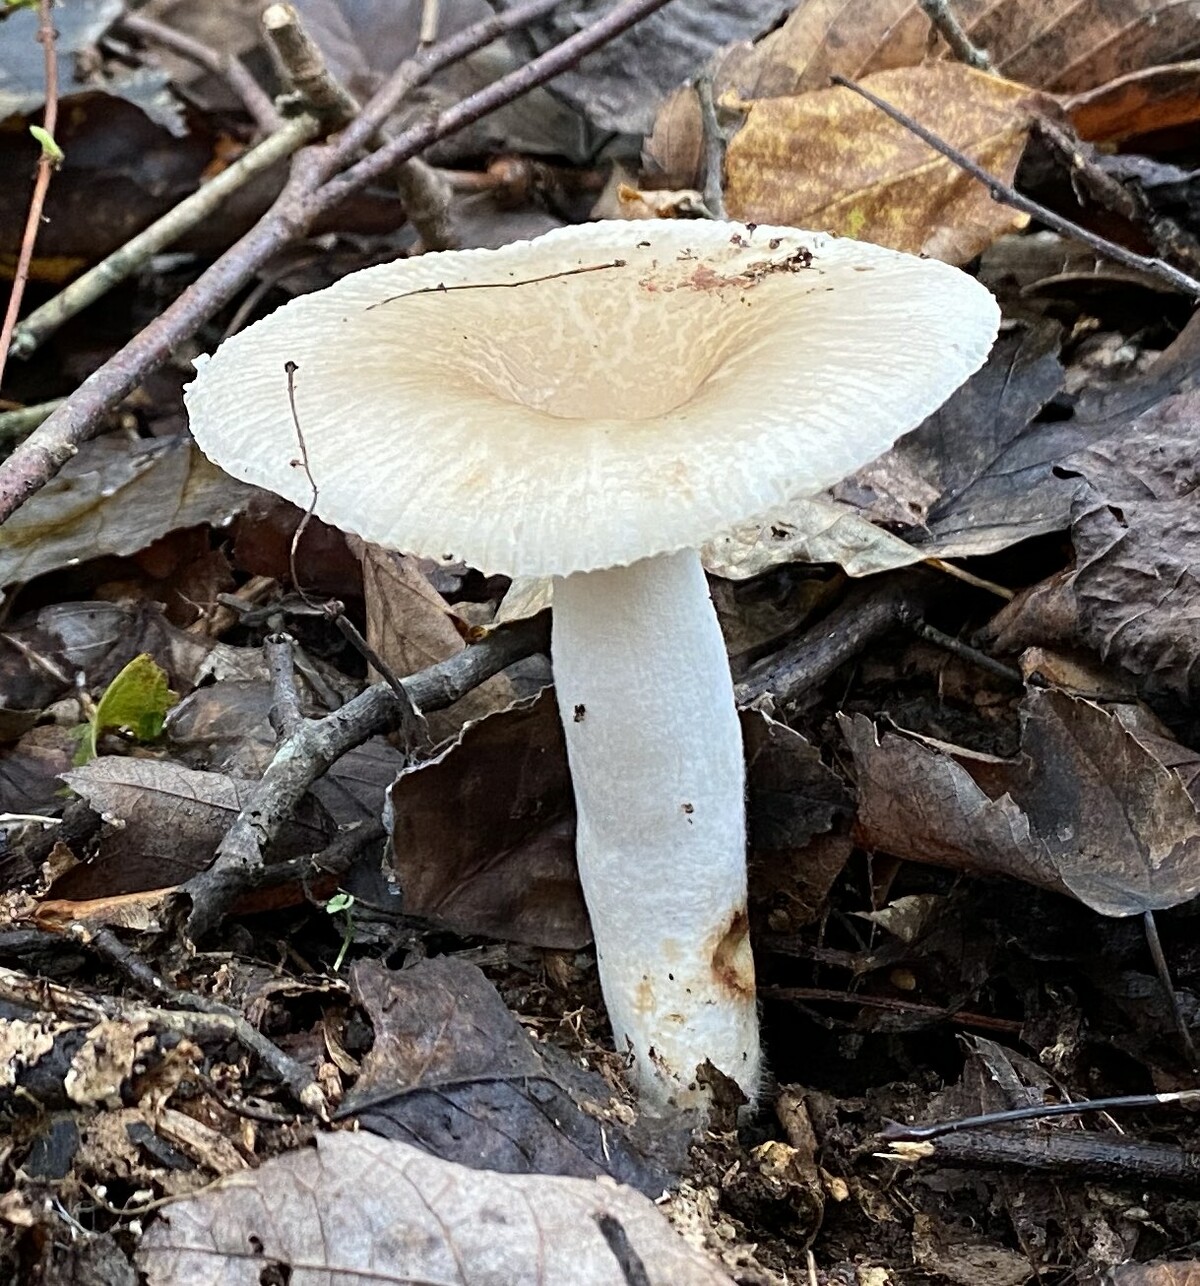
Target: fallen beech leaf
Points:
(483, 836)
(830, 160)
(357, 1207)
(922, 803)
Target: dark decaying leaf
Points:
(365, 40)
(78, 26)
(968, 466)
(116, 497)
(30, 770)
(483, 837)
(356, 1207)
(170, 820)
(619, 87)
(1088, 807)
(1134, 593)
(452, 1071)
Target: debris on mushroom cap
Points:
(598, 395)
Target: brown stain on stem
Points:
(732, 960)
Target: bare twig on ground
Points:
(196, 1017)
(286, 714)
(714, 149)
(15, 425)
(232, 70)
(946, 22)
(1112, 1157)
(45, 167)
(869, 612)
(317, 744)
(303, 64)
(426, 199)
(309, 192)
(135, 254)
(1007, 195)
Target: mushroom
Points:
(593, 406)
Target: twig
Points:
(494, 96)
(714, 148)
(191, 211)
(946, 21)
(869, 612)
(303, 64)
(303, 199)
(430, 17)
(15, 425)
(965, 652)
(317, 744)
(1163, 970)
(1079, 1156)
(901, 1131)
(45, 167)
(286, 714)
(202, 1016)
(255, 99)
(1006, 195)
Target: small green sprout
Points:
(342, 904)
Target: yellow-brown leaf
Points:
(830, 161)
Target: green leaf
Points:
(135, 702)
(49, 147)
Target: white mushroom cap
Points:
(619, 389)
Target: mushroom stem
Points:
(656, 761)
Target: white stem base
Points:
(656, 760)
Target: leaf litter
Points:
(973, 773)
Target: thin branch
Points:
(136, 253)
(304, 66)
(318, 743)
(45, 167)
(1006, 195)
(232, 70)
(946, 21)
(286, 714)
(714, 148)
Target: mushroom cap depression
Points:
(598, 395)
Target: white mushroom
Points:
(594, 405)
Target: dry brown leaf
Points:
(829, 160)
(1143, 102)
(1062, 45)
(411, 626)
(357, 1206)
(1181, 1272)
